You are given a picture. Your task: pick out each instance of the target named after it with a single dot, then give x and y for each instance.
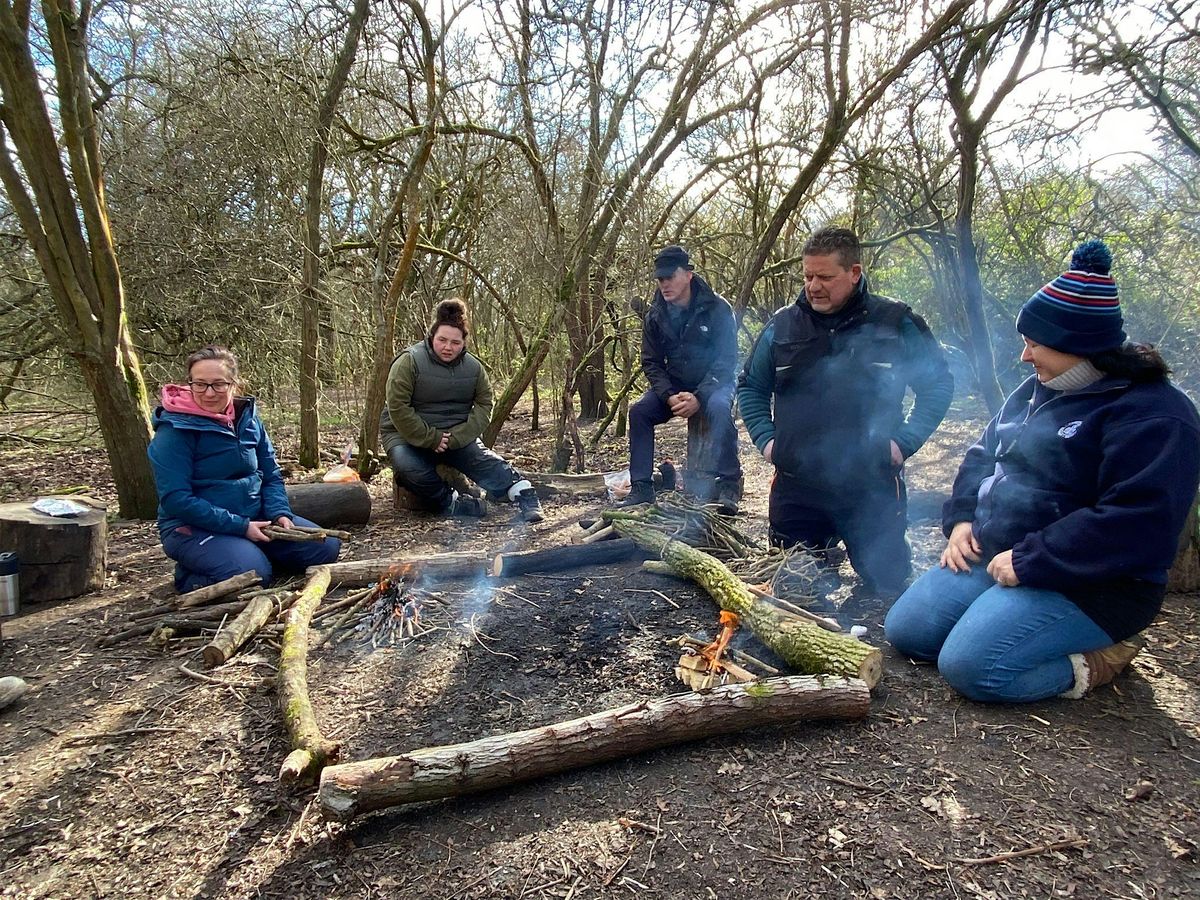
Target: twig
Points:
(126, 732)
(692, 641)
(827, 624)
(1069, 844)
(198, 676)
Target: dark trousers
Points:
(871, 522)
(416, 469)
(205, 558)
(712, 436)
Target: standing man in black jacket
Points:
(822, 396)
(689, 355)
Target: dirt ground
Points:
(120, 777)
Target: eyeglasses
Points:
(203, 387)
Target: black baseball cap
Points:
(670, 259)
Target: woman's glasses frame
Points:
(217, 387)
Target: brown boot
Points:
(1099, 667)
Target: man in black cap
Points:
(689, 354)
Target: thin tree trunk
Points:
(311, 298)
(408, 200)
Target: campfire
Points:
(391, 613)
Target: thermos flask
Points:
(10, 598)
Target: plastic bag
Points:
(617, 484)
(340, 473)
(59, 508)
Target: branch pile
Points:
(226, 615)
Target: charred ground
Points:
(120, 777)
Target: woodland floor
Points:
(121, 778)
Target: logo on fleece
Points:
(1069, 430)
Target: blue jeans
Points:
(712, 434)
(205, 558)
(992, 643)
(415, 468)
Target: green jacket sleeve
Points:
(931, 382)
(411, 427)
(756, 384)
(480, 415)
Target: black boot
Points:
(531, 509)
(466, 505)
(729, 494)
(639, 492)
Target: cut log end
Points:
(870, 670)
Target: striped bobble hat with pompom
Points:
(1078, 312)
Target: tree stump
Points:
(1185, 572)
(331, 503)
(60, 556)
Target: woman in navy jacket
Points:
(1065, 516)
(218, 482)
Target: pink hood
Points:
(178, 398)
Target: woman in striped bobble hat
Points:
(1065, 515)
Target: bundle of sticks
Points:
(225, 615)
(792, 572)
(696, 525)
(302, 533)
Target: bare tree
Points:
(62, 209)
(848, 97)
(311, 269)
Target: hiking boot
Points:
(666, 478)
(531, 509)
(639, 492)
(1099, 667)
(466, 505)
(729, 494)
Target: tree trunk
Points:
(312, 751)
(354, 788)
(408, 201)
(968, 264)
(802, 645)
(59, 556)
(311, 298)
(65, 218)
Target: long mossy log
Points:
(312, 751)
(802, 645)
(351, 789)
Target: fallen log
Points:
(311, 750)
(549, 484)
(556, 559)
(212, 592)
(432, 773)
(331, 503)
(361, 572)
(230, 639)
(801, 644)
